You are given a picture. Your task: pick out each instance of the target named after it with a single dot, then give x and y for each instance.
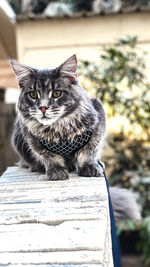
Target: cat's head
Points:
(47, 95)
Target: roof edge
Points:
(128, 10)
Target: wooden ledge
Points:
(61, 223)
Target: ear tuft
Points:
(69, 68)
(21, 71)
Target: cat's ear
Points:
(23, 73)
(69, 68)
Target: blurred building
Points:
(7, 44)
(46, 40)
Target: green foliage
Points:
(128, 225)
(120, 82)
(129, 166)
(144, 244)
(80, 5)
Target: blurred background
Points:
(112, 41)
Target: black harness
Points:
(67, 147)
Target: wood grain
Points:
(53, 223)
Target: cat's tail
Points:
(124, 204)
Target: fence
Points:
(7, 155)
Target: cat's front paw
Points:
(37, 168)
(89, 170)
(57, 173)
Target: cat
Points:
(58, 128)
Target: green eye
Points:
(56, 93)
(33, 95)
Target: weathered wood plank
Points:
(65, 257)
(57, 259)
(78, 235)
(58, 265)
(51, 202)
(49, 217)
(51, 223)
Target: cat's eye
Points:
(56, 93)
(33, 95)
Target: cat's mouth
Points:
(44, 117)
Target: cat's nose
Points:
(43, 109)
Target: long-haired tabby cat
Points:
(59, 128)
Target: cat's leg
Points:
(23, 164)
(88, 159)
(27, 158)
(55, 167)
(71, 164)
